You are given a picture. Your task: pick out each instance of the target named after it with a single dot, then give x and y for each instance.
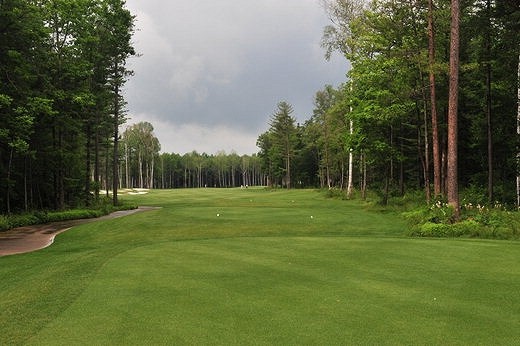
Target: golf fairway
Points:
(261, 273)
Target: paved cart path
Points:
(32, 238)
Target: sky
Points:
(210, 73)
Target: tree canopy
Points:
(391, 114)
(62, 65)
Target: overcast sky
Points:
(211, 72)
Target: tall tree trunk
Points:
(518, 135)
(233, 176)
(433, 103)
(25, 192)
(401, 163)
(8, 200)
(426, 155)
(107, 168)
(342, 169)
(452, 183)
(350, 182)
(163, 186)
(127, 168)
(327, 168)
(150, 185)
(61, 180)
(97, 184)
(488, 105)
(363, 175)
(88, 163)
(140, 163)
(386, 191)
(115, 162)
(288, 170)
(421, 154)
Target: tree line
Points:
(144, 166)
(62, 67)
(389, 127)
(431, 102)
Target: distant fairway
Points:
(283, 268)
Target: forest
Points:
(143, 165)
(387, 128)
(62, 67)
(430, 106)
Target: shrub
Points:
(409, 201)
(473, 195)
(476, 222)
(4, 223)
(430, 229)
(336, 193)
(464, 228)
(41, 217)
(436, 213)
(74, 214)
(415, 217)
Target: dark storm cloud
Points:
(212, 71)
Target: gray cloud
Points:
(212, 71)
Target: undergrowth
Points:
(103, 207)
(476, 221)
(436, 219)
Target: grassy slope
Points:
(262, 272)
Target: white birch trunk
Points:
(350, 183)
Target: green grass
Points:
(262, 272)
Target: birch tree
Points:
(339, 37)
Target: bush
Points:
(42, 217)
(4, 223)
(477, 220)
(465, 228)
(430, 229)
(409, 201)
(436, 213)
(437, 219)
(74, 214)
(336, 193)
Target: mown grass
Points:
(262, 272)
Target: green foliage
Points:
(4, 223)
(104, 207)
(61, 64)
(278, 146)
(335, 193)
(477, 221)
